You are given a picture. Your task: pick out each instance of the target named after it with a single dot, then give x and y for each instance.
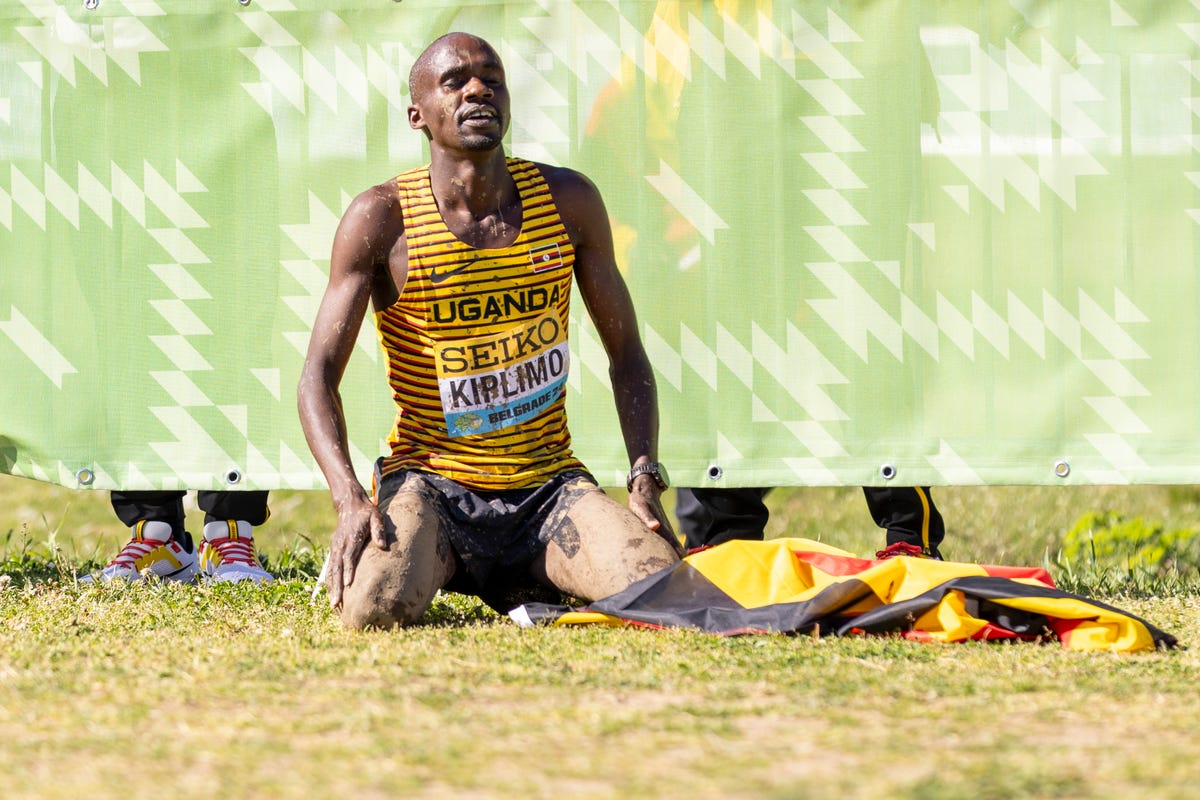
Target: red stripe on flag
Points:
(1063, 628)
(834, 565)
(1012, 573)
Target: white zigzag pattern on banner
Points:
(853, 312)
(40, 351)
(193, 444)
(312, 274)
(807, 372)
(295, 74)
(156, 190)
(56, 192)
(62, 41)
(1057, 88)
(992, 161)
(675, 48)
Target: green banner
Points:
(931, 243)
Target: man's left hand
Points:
(644, 501)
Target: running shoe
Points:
(152, 552)
(227, 553)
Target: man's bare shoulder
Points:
(565, 179)
(376, 215)
(383, 197)
(576, 196)
(369, 229)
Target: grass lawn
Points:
(257, 692)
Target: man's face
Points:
(460, 98)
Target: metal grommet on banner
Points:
(85, 477)
(887, 471)
(715, 472)
(244, 2)
(91, 5)
(233, 476)
(1062, 469)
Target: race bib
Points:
(493, 382)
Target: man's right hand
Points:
(358, 522)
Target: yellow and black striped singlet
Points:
(476, 344)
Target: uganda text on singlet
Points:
(476, 344)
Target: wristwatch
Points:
(653, 469)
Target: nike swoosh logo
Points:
(438, 277)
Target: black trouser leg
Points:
(248, 506)
(132, 507)
(908, 515)
(711, 516)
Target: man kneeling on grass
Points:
(468, 263)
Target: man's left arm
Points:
(611, 309)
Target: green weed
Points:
(1106, 553)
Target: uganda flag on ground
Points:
(800, 586)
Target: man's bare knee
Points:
(395, 587)
(383, 594)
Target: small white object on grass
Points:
(320, 579)
(520, 615)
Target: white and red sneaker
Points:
(152, 552)
(227, 553)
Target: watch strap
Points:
(652, 468)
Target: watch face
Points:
(660, 473)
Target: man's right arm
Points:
(369, 230)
